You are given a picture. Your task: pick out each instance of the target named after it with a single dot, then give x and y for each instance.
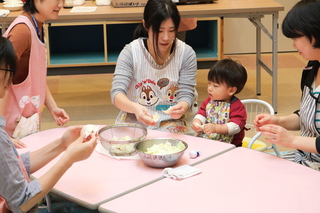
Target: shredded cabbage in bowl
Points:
(165, 148)
(122, 148)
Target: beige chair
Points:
(255, 107)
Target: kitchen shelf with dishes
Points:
(99, 43)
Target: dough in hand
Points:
(167, 111)
(199, 125)
(155, 117)
(88, 129)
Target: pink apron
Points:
(28, 97)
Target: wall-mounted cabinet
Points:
(99, 43)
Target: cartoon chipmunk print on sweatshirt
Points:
(147, 96)
(171, 94)
(150, 94)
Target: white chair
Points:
(255, 107)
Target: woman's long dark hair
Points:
(8, 58)
(156, 12)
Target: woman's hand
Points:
(79, 150)
(17, 143)
(277, 134)
(44, 155)
(143, 115)
(71, 134)
(178, 110)
(59, 116)
(263, 119)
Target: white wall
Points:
(239, 33)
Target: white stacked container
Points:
(13, 5)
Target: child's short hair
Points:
(229, 72)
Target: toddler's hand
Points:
(209, 128)
(197, 125)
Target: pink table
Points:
(101, 178)
(240, 180)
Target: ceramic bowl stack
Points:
(13, 5)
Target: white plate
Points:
(12, 8)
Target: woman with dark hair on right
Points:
(302, 24)
(155, 76)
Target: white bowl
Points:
(12, 8)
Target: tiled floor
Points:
(86, 98)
